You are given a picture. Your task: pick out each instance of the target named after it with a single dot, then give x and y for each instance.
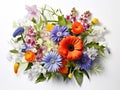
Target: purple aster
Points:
(18, 31)
(84, 62)
(58, 33)
(52, 61)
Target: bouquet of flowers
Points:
(54, 45)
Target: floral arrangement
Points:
(51, 44)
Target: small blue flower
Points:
(84, 62)
(18, 31)
(52, 61)
(25, 48)
(58, 33)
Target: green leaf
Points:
(86, 73)
(78, 76)
(61, 20)
(14, 51)
(33, 20)
(18, 39)
(29, 66)
(96, 45)
(96, 68)
(49, 75)
(85, 34)
(68, 24)
(41, 78)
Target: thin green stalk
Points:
(22, 38)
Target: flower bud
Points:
(70, 75)
(16, 67)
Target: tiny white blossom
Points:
(36, 70)
(97, 35)
(92, 53)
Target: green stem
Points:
(22, 38)
(52, 21)
(53, 12)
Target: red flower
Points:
(63, 69)
(77, 28)
(70, 48)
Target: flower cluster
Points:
(50, 43)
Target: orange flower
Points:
(77, 28)
(16, 66)
(30, 56)
(70, 48)
(63, 69)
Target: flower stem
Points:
(22, 38)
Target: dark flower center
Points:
(70, 47)
(84, 60)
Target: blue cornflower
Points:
(84, 62)
(18, 31)
(58, 33)
(52, 61)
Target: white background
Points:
(108, 13)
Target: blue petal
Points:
(18, 31)
(51, 67)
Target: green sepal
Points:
(28, 66)
(41, 78)
(78, 76)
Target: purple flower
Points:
(58, 33)
(52, 61)
(84, 62)
(18, 31)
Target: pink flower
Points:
(31, 32)
(31, 42)
(33, 12)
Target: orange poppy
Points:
(77, 28)
(63, 69)
(30, 56)
(70, 48)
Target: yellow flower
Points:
(95, 20)
(49, 27)
(70, 75)
(16, 66)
